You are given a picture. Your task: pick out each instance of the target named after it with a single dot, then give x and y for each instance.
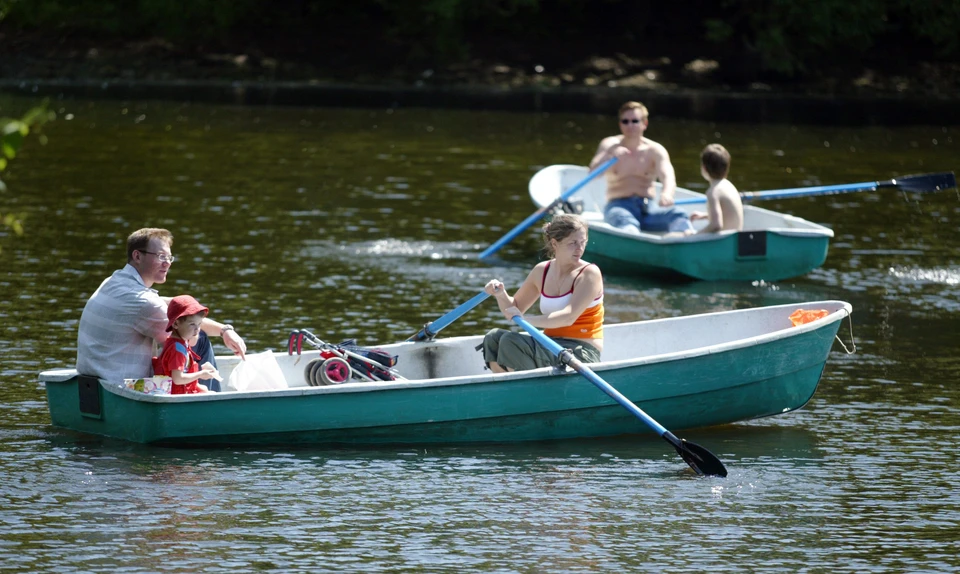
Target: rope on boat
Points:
(853, 342)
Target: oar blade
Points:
(927, 182)
(701, 460)
(704, 462)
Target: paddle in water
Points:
(538, 214)
(701, 460)
(922, 183)
(431, 329)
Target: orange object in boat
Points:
(801, 316)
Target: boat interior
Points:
(551, 182)
(636, 342)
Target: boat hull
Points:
(701, 387)
(743, 256)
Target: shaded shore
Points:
(708, 104)
(670, 88)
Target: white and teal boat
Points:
(772, 246)
(685, 372)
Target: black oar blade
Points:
(700, 459)
(927, 182)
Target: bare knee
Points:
(496, 368)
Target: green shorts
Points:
(520, 352)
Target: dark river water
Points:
(367, 223)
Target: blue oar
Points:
(917, 183)
(431, 329)
(513, 233)
(700, 459)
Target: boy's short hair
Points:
(138, 240)
(642, 109)
(715, 160)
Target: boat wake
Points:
(434, 251)
(931, 289)
(421, 261)
(918, 275)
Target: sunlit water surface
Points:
(360, 223)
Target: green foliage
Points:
(936, 21)
(424, 29)
(13, 134)
(796, 36)
(5, 6)
(791, 35)
(436, 29)
(174, 19)
(787, 37)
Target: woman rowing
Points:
(571, 304)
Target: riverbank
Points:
(693, 89)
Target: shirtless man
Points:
(630, 181)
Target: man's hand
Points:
(235, 343)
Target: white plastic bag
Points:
(260, 372)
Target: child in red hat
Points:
(178, 360)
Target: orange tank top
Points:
(589, 325)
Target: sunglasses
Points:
(627, 122)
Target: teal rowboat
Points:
(685, 372)
(772, 246)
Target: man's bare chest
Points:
(641, 162)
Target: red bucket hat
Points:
(182, 306)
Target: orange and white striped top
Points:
(589, 325)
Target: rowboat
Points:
(772, 246)
(686, 372)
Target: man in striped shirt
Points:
(126, 318)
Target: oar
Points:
(431, 329)
(700, 459)
(545, 209)
(916, 183)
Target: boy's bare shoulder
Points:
(724, 188)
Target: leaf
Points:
(39, 115)
(13, 126)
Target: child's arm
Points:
(714, 212)
(181, 378)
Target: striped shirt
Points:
(119, 326)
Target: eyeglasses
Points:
(625, 121)
(163, 257)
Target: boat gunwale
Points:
(843, 309)
(603, 227)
